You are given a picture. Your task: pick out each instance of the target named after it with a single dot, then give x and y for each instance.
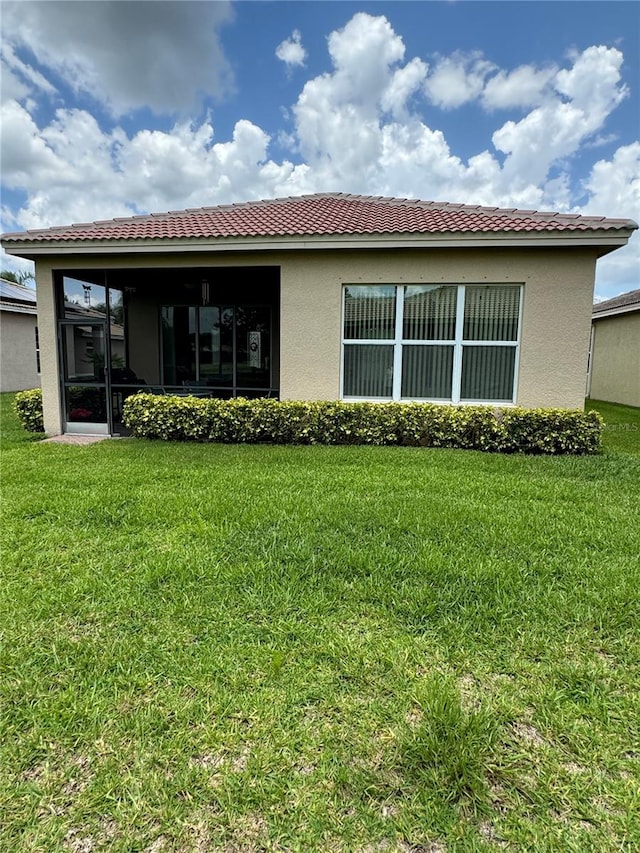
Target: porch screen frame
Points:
(85, 427)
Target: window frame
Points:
(458, 343)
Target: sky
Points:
(136, 106)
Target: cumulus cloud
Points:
(337, 115)
(126, 55)
(72, 171)
(403, 84)
(359, 127)
(457, 79)
(586, 94)
(523, 87)
(614, 185)
(613, 188)
(19, 79)
(291, 51)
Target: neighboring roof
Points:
(17, 308)
(12, 292)
(330, 215)
(622, 304)
(16, 298)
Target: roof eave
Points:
(604, 241)
(612, 312)
(16, 308)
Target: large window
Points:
(455, 343)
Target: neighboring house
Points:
(326, 296)
(614, 364)
(19, 348)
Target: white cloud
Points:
(592, 83)
(72, 171)
(457, 79)
(523, 87)
(291, 51)
(404, 82)
(27, 160)
(337, 115)
(614, 185)
(127, 55)
(19, 79)
(357, 128)
(614, 190)
(587, 93)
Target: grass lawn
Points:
(254, 648)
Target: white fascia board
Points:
(606, 240)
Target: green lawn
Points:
(246, 648)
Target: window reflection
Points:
(85, 405)
(84, 353)
(116, 329)
(83, 299)
(217, 347)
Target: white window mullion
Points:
(457, 347)
(397, 348)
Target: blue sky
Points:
(114, 108)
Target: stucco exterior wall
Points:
(557, 298)
(47, 331)
(615, 359)
(18, 351)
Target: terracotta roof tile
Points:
(321, 214)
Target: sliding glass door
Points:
(225, 350)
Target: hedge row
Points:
(549, 431)
(28, 406)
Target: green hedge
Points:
(28, 406)
(549, 431)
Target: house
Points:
(19, 347)
(614, 364)
(326, 296)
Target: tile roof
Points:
(625, 301)
(330, 214)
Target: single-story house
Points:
(19, 346)
(326, 296)
(614, 362)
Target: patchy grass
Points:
(318, 649)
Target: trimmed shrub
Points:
(28, 407)
(552, 431)
(513, 430)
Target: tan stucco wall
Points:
(615, 359)
(558, 291)
(48, 348)
(18, 352)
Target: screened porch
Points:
(212, 332)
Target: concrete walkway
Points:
(74, 439)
